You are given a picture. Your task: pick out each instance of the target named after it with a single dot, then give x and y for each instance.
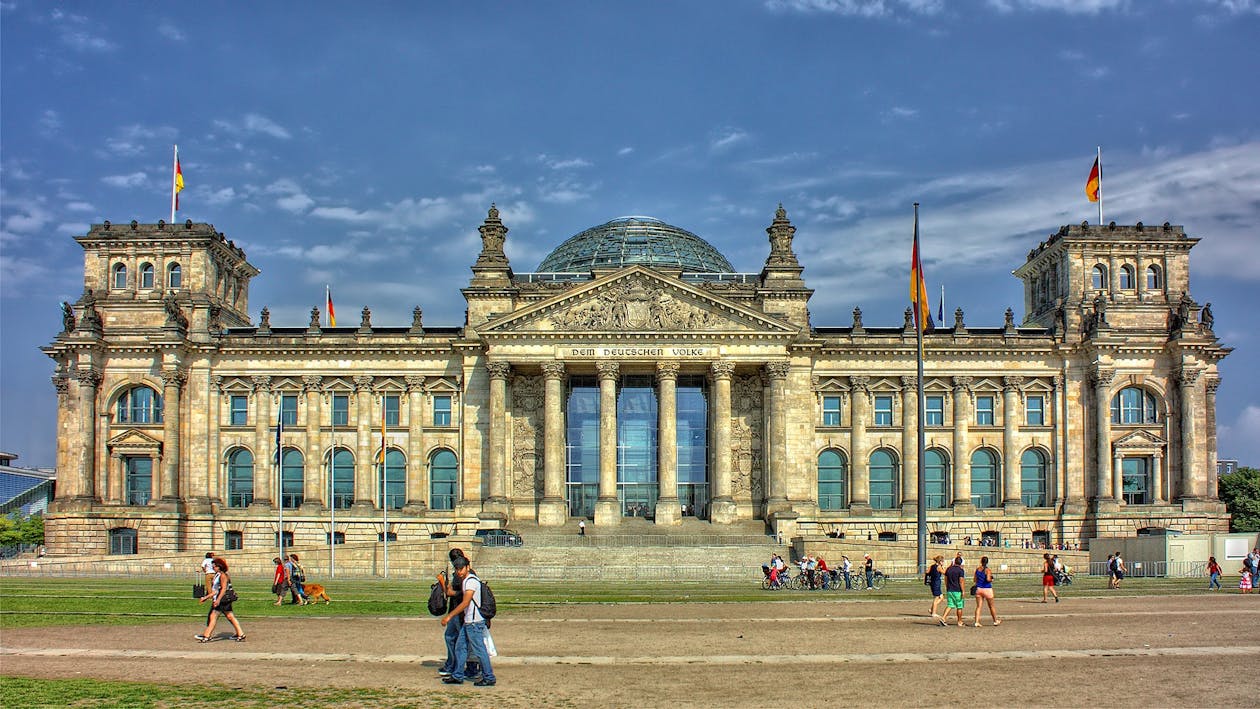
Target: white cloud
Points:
(135, 179)
(253, 123)
(1240, 439)
(71, 31)
(564, 191)
(726, 138)
(1237, 7)
(567, 164)
(215, 198)
(859, 8)
(902, 112)
(79, 207)
(25, 216)
(73, 228)
(49, 123)
(136, 139)
(625, 151)
(292, 197)
(168, 30)
(1071, 7)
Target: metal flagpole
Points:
(384, 495)
(174, 172)
(279, 476)
(332, 499)
(921, 482)
(1100, 196)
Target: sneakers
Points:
(451, 680)
(201, 638)
(484, 683)
(444, 673)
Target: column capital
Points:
(1012, 383)
(312, 383)
(962, 384)
(88, 377)
(859, 383)
(608, 370)
(363, 382)
(666, 370)
(1212, 384)
(61, 383)
(1102, 376)
(174, 376)
(553, 370)
(499, 370)
(216, 383)
(414, 382)
(1187, 376)
(261, 383)
(910, 383)
(777, 370)
(722, 369)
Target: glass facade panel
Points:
(240, 478)
(1032, 479)
(139, 474)
(984, 479)
(340, 410)
(636, 446)
(1035, 411)
(933, 410)
(883, 471)
(1137, 482)
(443, 480)
(239, 406)
(883, 411)
(582, 449)
(936, 479)
(693, 446)
(832, 473)
(292, 473)
(342, 479)
(831, 411)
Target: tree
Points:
(17, 528)
(1240, 491)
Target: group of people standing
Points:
(465, 628)
(953, 577)
(289, 578)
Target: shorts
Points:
(221, 608)
(1119, 575)
(984, 593)
(936, 590)
(1047, 580)
(954, 599)
(279, 588)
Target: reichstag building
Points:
(633, 374)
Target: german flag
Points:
(1094, 183)
(918, 289)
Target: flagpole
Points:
(921, 481)
(332, 499)
(1100, 195)
(384, 491)
(279, 476)
(174, 172)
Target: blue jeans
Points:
(473, 641)
(453, 635)
(869, 577)
(1215, 582)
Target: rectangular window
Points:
(831, 411)
(239, 410)
(441, 411)
(139, 479)
(984, 411)
(288, 539)
(391, 410)
(340, 410)
(1035, 411)
(233, 540)
(288, 409)
(883, 411)
(934, 410)
(122, 540)
(335, 538)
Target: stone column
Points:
(84, 480)
(173, 379)
(607, 507)
(777, 373)
(264, 442)
(961, 482)
(552, 511)
(1157, 479)
(909, 445)
(1193, 477)
(668, 511)
(416, 483)
(314, 482)
(1011, 491)
(215, 473)
(1102, 410)
(1211, 384)
(1117, 476)
(722, 510)
(364, 461)
(497, 482)
(859, 406)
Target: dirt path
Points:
(1116, 651)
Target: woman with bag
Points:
(983, 591)
(221, 597)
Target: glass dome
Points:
(635, 240)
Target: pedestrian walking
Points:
(954, 576)
(473, 635)
(1047, 579)
(581, 528)
(984, 592)
(1214, 574)
(279, 581)
(1245, 581)
(933, 579)
(207, 568)
(1120, 570)
(221, 597)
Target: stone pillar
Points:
(552, 511)
(416, 483)
(83, 488)
(722, 509)
(1193, 477)
(1117, 476)
(668, 511)
(607, 507)
(364, 477)
(859, 405)
(961, 483)
(1011, 492)
(1211, 384)
(1102, 411)
(215, 474)
(909, 445)
(1113, 278)
(497, 482)
(1157, 479)
(173, 379)
(264, 442)
(314, 482)
(777, 373)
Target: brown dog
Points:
(314, 592)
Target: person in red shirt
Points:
(280, 581)
(824, 573)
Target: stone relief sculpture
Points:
(632, 305)
(527, 429)
(747, 471)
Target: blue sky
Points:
(361, 147)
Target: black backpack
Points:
(437, 599)
(488, 607)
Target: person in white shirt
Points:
(474, 630)
(207, 568)
(847, 569)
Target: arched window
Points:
(342, 479)
(883, 470)
(984, 479)
(1098, 277)
(831, 475)
(146, 275)
(936, 479)
(443, 480)
(174, 276)
(1032, 479)
(120, 276)
(240, 478)
(1126, 278)
(1133, 405)
(393, 487)
(292, 472)
(140, 404)
(1154, 278)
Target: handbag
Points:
(199, 590)
(230, 596)
(972, 590)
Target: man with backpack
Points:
(453, 630)
(473, 634)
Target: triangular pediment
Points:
(637, 300)
(1140, 440)
(131, 439)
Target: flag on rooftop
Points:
(1094, 183)
(332, 314)
(918, 289)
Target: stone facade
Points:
(1095, 416)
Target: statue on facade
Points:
(174, 315)
(1206, 317)
(857, 318)
(1183, 309)
(67, 317)
(1100, 311)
